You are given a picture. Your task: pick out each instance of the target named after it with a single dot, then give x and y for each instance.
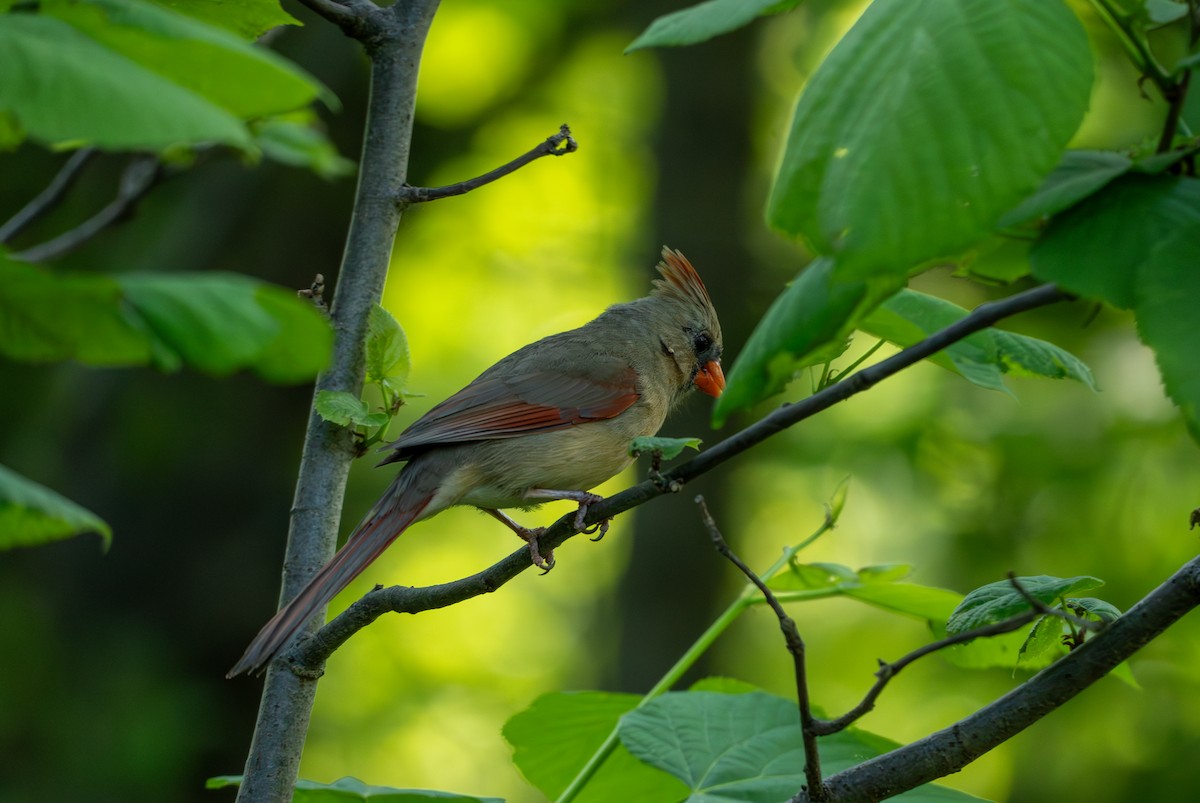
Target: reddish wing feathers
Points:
(494, 407)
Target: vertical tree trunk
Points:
(394, 44)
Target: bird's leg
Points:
(584, 499)
(527, 535)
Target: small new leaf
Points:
(666, 448)
(342, 408)
(387, 349)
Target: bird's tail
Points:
(400, 506)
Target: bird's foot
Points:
(529, 536)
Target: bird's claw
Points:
(600, 527)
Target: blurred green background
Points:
(112, 684)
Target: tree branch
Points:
(142, 173)
(559, 144)
(356, 18)
(951, 749)
(795, 646)
(48, 198)
(308, 655)
(394, 41)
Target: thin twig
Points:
(795, 646)
(312, 653)
(48, 198)
(142, 173)
(887, 671)
(559, 144)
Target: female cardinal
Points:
(548, 421)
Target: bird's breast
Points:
(576, 458)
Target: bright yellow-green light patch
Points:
(475, 54)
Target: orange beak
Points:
(710, 379)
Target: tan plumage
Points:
(551, 420)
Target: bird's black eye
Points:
(702, 342)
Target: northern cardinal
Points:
(549, 421)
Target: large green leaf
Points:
(703, 21)
(1167, 297)
(352, 790)
(48, 317)
(62, 87)
(215, 322)
(808, 324)
(1136, 245)
(745, 748)
(218, 324)
(928, 121)
(245, 79)
(554, 738)
(1097, 248)
(32, 514)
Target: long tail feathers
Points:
(390, 517)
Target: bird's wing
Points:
(504, 406)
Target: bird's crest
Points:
(681, 281)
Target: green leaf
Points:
(1166, 306)
(249, 19)
(1027, 356)
(297, 140)
(667, 448)
(62, 87)
(808, 324)
(303, 339)
(49, 317)
(238, 76)
(1044, 639)
(1162, 12)
(998, 601)
(1097, 248)
(928, 121)
(702, 22)
(560, 731)
(723, 685)
(216, 322)
(348, 790)
(875, 585)
(983, 358)
(1098, 609)
(909, 317)
(341, 408)
(1079, 175)
(387, 348)
(735, 748)
(1135, 246)
(32, 514)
